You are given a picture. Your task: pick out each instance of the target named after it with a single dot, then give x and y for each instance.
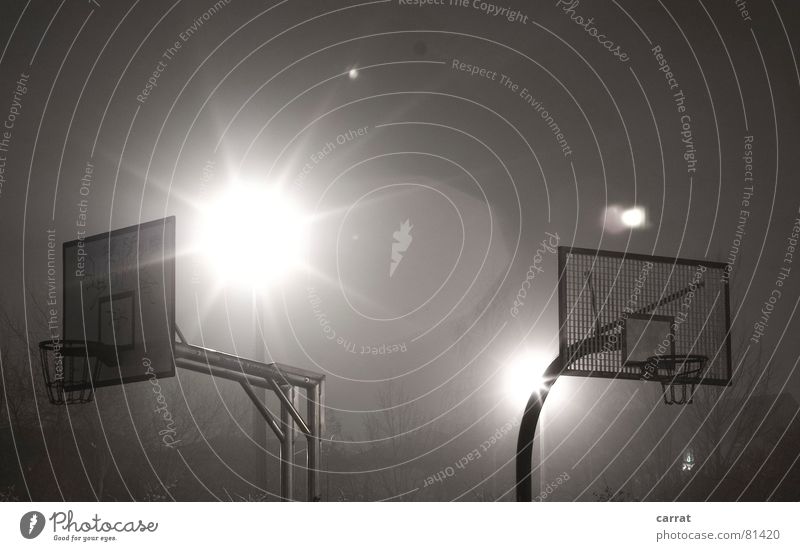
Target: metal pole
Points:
(542, 453)
(220, 372)
(287, 447)
(291, 375)
(527, 431)
(290, 406)
(314, 441)
(259, 432)
(262, 409)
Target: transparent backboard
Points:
(617, 310)
(119, 290)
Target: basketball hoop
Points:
(69, 369)
(678, 375)
(627, 316)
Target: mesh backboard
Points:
(119, 290)
(617, 310)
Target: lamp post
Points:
(254, 237)
(259, 430)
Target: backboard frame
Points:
(564, 345)
(168, 279)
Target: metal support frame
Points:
(569, 353)
(527, 430)
(284, 381)
(262, 409)
(314, 400)
(286, 396)
(287, 445)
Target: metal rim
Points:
(69, 392)
(682, 358)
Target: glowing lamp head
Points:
(253, 236)
(353, 73)
(634, 217)
(525, 375)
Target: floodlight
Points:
(633, 217)
(524, 375)
(254, 236)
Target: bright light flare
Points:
(524, 375)
(618, 219)
(634, 217)
(353, 73)
(253, 236)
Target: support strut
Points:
(284, 381)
